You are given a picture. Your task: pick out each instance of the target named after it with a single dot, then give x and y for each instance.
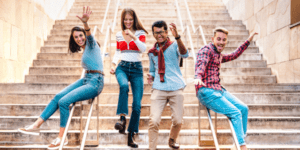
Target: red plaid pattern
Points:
(208, 64)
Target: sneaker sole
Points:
(31, 133)
(58, 146)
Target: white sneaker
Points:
(56, 143)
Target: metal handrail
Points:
(87, 126)
(189, 14)
(110, 29)
(214, 133)
(179, 15)
(234, 135)
(115, 17)
(104, 19)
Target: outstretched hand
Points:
(198, 82)
(85, 15)
(251, 36)
(174, 30)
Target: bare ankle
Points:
(243, 147)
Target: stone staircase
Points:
(274, 108)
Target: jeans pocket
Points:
(206, 95)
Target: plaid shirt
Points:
(208, 64)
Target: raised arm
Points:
(238, 52)
(84, 19)
(181, 47)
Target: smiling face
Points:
(79, 38)
(160, 34)
(220, 41)
(128, 21)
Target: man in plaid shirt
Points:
(207, 82)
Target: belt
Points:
(94, 71)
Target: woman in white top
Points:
(130, 45)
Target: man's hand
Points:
(198, 82)
(150, 79)
(251, 36)
(174, 30)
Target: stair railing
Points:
(214, 133)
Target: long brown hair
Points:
(137, 25)
(73, 46)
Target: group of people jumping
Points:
(164, 74)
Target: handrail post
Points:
(214, 134)
(67, 127)
(234, 135)
(116, 12)
(179, 15)
(87, 126)
(103, 23)
(189, 14)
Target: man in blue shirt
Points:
(168, 83)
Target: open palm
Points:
(86, 14)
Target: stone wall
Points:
(278, 43)
(24, 26)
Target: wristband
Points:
(177, 37)
(87, 29)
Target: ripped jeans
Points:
(225, 103)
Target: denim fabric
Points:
(132, 72)
(83, 89)
(225, 103)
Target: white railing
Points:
(104, 19)
(110, 30)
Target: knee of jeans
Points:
(136, 107)
(124, 87)
(245, 109)
(62, 104)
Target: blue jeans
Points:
(225, 103)
(132, 72)
(83, 89)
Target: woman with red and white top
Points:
(130, 46)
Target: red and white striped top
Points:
(130, 51)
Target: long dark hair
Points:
(137, 25)
(73, 46)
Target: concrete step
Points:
(144, 59)
(57, 63)
(107, 123)
(150, 38)
(190, 88)
(159, 147)
(64, 49)
(112, 98)
(186, 137)
(78, 71)
(70, 78)
(190, 110)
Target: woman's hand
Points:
(112, 70)
(85, 15)
(129, 33)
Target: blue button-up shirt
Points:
(173, 77)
